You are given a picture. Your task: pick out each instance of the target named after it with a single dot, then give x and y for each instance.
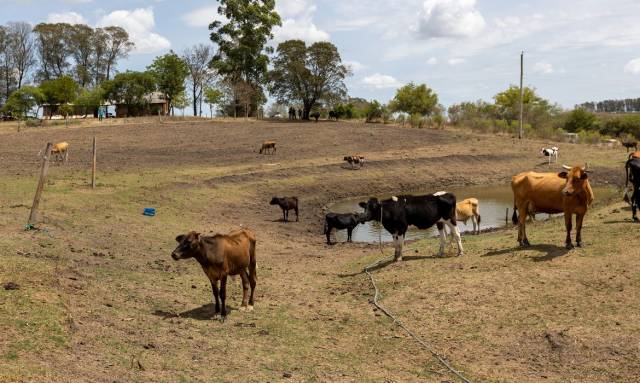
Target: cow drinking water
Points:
(397, 213)
(222, 255)
(342, 221)
(567, 192)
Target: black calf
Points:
(340, 222)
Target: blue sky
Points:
(464, 49)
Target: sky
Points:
(575, 50)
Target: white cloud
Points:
(432, 61)
(139, 23)
(633, 66)
(450, 18)
(455, 61)
(297, 22)
(202, 17)
(381, 81)
(77, 1)
(355, 66)
(543, 67)
(66, 17)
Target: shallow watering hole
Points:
(493, 204)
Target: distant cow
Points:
(222, 255)
(340, 222)
(333, 115)
(354, 160)
(286, 204)
(59, 151)
(568, 192)
(630, 144)
(315, 115)
(632, 170)
(268, 146)
(550, 152)
(468, 209)
(397, 213)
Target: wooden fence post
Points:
(33, 217)
(93, 171)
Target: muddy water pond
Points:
(493, 204)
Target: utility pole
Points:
(521, 94)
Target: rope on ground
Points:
(399, 323)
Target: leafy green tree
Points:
(374, 111)
(80, 41)
(61, 91)
(242, 40)
(345, 110)
(580, 119)
(213, 97)
(90, 99)
(130, 88)
(53, 49)
(307, 74)
(414, 99)
(535, 107)
(22, 101)
(170, 72)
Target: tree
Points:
(117, 43)
(307, 74)
(53, 49)
(197, 59)
(6, 65)
(580, 119)
(181, 101)
(170, 72)
(61, 91)
(374, 111)
(212, 97)
(22, 50)
(508, 104)
(22, 101)
(242, 42)
(81, 46)
(131, 89)
(416, 100)
(90, 100)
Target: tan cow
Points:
(268, 146)
(61, 151)
(468, 209)
(568, 192)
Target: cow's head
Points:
(577, 180)
(274, 201)
(371, 209)
(187, 245)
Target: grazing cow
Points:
(333, 115)
(468, 209)
(397, 213)
(568, 192)
(632, 170)
(222, 255)
(286, 204)
(60, 151)
(550, 152)
(315, 115)
(630, 144)
(268, 146)
(354, 160)
(340, 222)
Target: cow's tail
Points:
(626, 172)
(514, 217)
(252, 260)
(326, 227)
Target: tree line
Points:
(628, 105)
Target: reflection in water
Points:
(493, 200)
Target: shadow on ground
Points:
(550, 251)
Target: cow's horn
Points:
(566, 167)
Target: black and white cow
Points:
(632, 168)
(424, 211)
(342, 221)
(550, 152)
(354, 161)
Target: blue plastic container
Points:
(149, 211)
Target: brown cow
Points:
(286, 204)
(268, 146)
(60, 151)
(567, 192)
(634, 155)
(222, 255)
(468, 209)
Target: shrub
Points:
(374, 111)
(579, 119)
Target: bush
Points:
(589, 136)
(374, 111)
(579, 119)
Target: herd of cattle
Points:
(567, 192)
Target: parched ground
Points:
(101, 300)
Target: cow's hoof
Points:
(398, 259)
(578, 244)
(250, 308)
(242, 308)
(569, 246)
(635, 219)
(460, 254)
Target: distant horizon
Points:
(465, 50)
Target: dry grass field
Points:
(101, 300)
